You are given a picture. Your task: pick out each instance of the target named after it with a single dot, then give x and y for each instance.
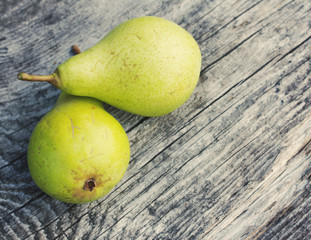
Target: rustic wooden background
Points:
(232, 163)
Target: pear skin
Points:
(148, 66)
(78, 152)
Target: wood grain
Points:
(232, 163)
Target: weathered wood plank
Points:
(233, 162)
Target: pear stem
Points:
(75, 49)
(52, 78)
(40, 78)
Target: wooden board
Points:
(232, 163)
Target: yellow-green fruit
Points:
(78, 152)
(147, 66)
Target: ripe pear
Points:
(148, 66)
(78, 152)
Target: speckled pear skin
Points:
(148, 66)
(78, 152)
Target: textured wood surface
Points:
(232, 163)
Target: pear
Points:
(147, 66)
(78, 152)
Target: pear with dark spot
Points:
(78, 152)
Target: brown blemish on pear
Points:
(82, 195)
(89, 184)
(80, 175)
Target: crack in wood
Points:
(293, 49)
(231, 21)
(205, 69)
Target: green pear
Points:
(148, 66)
(78, 152)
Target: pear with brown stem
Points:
(147, 66)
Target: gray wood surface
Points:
(232, 163)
